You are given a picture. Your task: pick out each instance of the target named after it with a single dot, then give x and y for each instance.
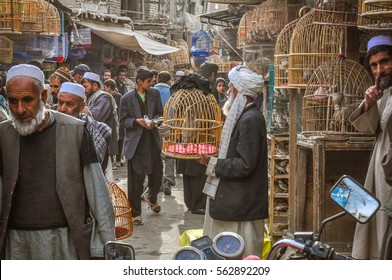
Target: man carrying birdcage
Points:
(237, 183)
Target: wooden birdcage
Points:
(122, 211)
(216, 59)
(269, 18)
(192, 125)
(310, 46)
(378, 10)
(241, 32)
(336, 12)
(10, 16)
(30, 16)
(180, 57)
(367, 21)
(333, 92)
(50, 19)
(6, 50)
(281, 56)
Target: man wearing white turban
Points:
(237, 183)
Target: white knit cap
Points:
(73, 88)
(26, 70)
(92, 76)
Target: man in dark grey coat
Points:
(142, 143)
(237, 183)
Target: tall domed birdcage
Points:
(192, 125)
(334, 91)
(122, 211)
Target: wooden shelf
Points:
(277, 219)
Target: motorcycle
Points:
(349, 195)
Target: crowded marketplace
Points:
(196, 129)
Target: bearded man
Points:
(374, 239)
(237, 183)
(55, 203)
(71, 101)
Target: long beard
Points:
(28, 128)
(229, 102)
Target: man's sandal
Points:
(154, 207)
(137, 220)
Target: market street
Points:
(158, 238)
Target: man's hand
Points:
(205, 159)
(372, 95)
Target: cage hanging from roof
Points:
(336, 12)
(310, 46)
(122, 211)
(334, 91)
(192, 124)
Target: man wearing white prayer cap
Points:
(374, 240)
(49, 174)
(103, 108)
(237, 183)
(72, 102)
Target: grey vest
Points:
(70, 184)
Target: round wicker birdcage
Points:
(10, 16)
(336, 12)
(30, 16)
(311, 45)
(180, 57)
(269, 18)
(281, 56)
(192, 125)
(52, 20)
(367, 21)
(334, 91)
(122, 211)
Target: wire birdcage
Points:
(336, 12)
(281, 56)
(310, 46)
(334, 91)
(10, 16)
(192, 124)
(366, 20)
(122, 211)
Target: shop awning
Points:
(224, 17)
(125, 38)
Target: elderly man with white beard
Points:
(55, 203)
(237, 183)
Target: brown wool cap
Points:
(64, 73)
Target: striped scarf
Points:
(101, 134)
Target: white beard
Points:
(28, 128)
(229, 102)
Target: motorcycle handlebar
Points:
(284, 243)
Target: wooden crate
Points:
(321, 162)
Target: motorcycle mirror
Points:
(118, 251)
(354, 199)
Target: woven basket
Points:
(193, 125)
(122, 211)
(336, 12)
(334, 91)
